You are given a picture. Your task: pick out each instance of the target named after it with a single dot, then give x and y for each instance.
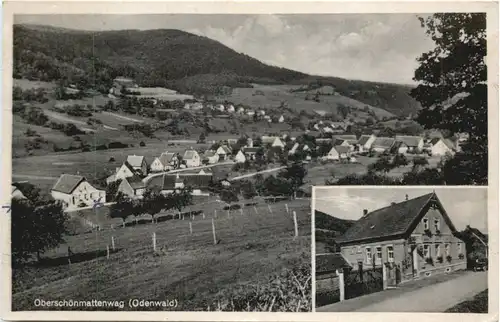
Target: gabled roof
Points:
(346, 137)
(167, 157)
(209, 153)
(395, 220)
(135, 182)
(363, 139)
(326, 263)
(225, 148)
(268, 139)
(67, 183)
(135, 161)
(342, 149)
(411, 141)
(383, 142)
(197, 181)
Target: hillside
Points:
(175, 59)
(327, 229)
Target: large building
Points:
(75, 191)
(414, 239)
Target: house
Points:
(328, 266)
(224, 152)
(240, 110)
(169, 183)
(138, 163)
(439, 147)
(220, 107)
(327, 129)
(250, 113)
(230, 109)
(414, 238)
(240, 157)
(365, 142)
(191, 158)
(132, 187)
(211, 157)
(262, 112)
(125, 171)
(75, 191)
(197, 106)
(274, 141)
(165, 162)
(339, 126)
(250, 152)
(338, 153)
(281, 119)
(407, 143)
(293, 149)
(382, 144)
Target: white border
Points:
(242, 7)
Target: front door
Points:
(391, 275)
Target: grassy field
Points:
(273, 95)
(93, 165)
(187, 267)
(479, 304)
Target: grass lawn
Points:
(479, 304)
(187, 267)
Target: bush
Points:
(142, 144)
(117, 145)
(112, 159)
(448, 258)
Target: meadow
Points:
(251, 248)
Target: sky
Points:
(464, 205)
(374, 47)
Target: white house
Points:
(250, 113)
(220, 107)
(223, 152)
(250, 152)
(382, 144)
(168, 183)
(438, 147)
(274, 141)
(75, 191)
(125, 171)
(281, 119)
(166, 161)
(16, 193)
(407, 143)
(138, 162)
(338, 152)
(211, 157)
(192, 158)
(365, 142)
(240, 157)
(293, 149)
(132, 187)
(230, 109)
(196, 106)
(241, 110)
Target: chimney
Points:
(365, 212)
(406, 197)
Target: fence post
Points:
(286, 207)
(203, 215)
(213, 231)
(255, 208)
(215, 213)
(228, 216)
(113, 242)
(107, 251)
(190, 228)
(340, 274)
(270, 210)
(154, 241)
(295, 224)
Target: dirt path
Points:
(248, 175)
(437, 297)
(123, 117)
(70, 120)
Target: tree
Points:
(295, 174)
(399, 160)
(36, 228)
(383, 164)
(419, 162)
(202, 138)
(122, 208)
(180, 198)
(228, 196)
(453, 89)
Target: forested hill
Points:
(170, 58)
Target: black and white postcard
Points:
(160, 160)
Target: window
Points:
(368, 255)
(427, 251)
(438, 250)
(459, 248)
(447, 249)
(425, 221)
(390, 253)
(437, 225)
(378, 259)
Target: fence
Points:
(363, 281)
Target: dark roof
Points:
(411, 141)
(330, 262)
(342, 149)
(346, 137)
(136, 182)
(167, 181)
(67, 183)
(197, 181)
(383, 142)
(364, 139)
(392, 220)
(250, 150)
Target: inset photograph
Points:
(401, 249)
